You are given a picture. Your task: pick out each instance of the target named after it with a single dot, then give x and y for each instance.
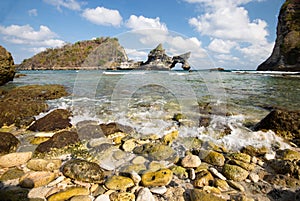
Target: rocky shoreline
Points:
(51, 159)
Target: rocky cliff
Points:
(100, 53)
(7, 69)
(286, 53)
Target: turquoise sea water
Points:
(147, 100)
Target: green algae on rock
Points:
(235, 172)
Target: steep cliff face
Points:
(286, 53)
(91, 54)
(7, 70)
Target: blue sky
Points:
(234, 34)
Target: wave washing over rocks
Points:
(63, 155)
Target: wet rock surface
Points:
(8, 143)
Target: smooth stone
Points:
(68, 193)
(15, 159)
(175, 194)
(123, 196)
(191, 161)
(139, 168)
(159, 178)
(119, 183)
(216, 173)
(254, 177)
(98, 141)
(145, 194)
(83, 170)
(129, 145)
(138, 160)
(203, 178)
(197, 195)
(39, 192)
(102, 198)
(159, 190)
(135, 177)
(246, 166)
(234, 172)
(44, 164)
(192, 174)
(82, 198)
(36, 179)
(214, 158)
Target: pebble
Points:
(270, 156)
(44, 165)
(235, 172)
(102, 198)
(254, 177)
(159, 190)
(119, 183)
(216, 173)
(135, 177)
(203, 178)
(15, 159)
(145, 194)
(191, 161)
(138, 160)
(192, 174)
(68, 193)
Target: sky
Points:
(232, 34)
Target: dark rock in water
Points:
(286, 53)
(14, 193)
(7, 69)
(159, 60)
(112, 128)
(284, 123)
(90, 131)
(56, 120)
(8, 143)
(59, 140)
(20, 105)
(83, 170)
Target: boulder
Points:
(8, 143)
(286, 52)
(7, 69)
(57, 141)
(55, 120)
(83, 170)
(283, 122)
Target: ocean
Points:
(152, 101)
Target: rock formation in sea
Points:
(99, 53)
(286, 53)
(159, 60)
(7, 69)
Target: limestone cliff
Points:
(100, 53)
(7, 69)
(286, 53)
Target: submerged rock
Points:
(8, 143)
(59, 140)
(56, 120)
(82, 170)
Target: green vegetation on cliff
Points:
(97, 53)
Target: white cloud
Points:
(103, 16)
(70, 4)
(221, 46)
(141, 22)
(136, 55)
(26, 35)
(33, 12)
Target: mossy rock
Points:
(13, 173)
(234, 172)
(8, 143)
